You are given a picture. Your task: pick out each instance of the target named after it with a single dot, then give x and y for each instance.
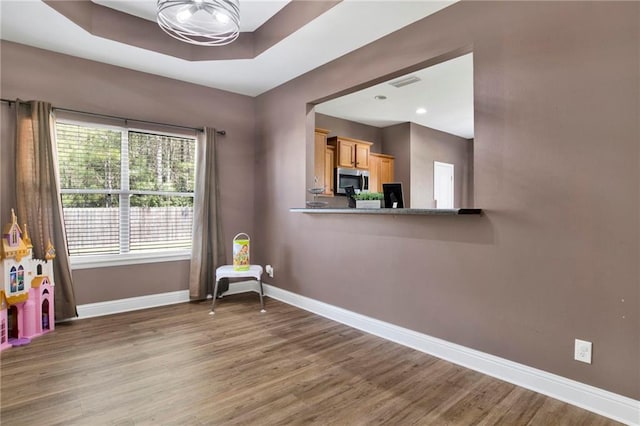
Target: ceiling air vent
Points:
(405, 81)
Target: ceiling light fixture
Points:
(421, 111)
(201, 22)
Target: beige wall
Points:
(78, 84)
(555, 256)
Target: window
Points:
(124, 191)
(20, 278)
(13, 279)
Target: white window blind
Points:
(125, 191)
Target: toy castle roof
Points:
(14, 249)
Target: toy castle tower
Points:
(26, 293)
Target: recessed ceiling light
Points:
(380, 97)
(421, 111)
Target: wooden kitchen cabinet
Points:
(374, 173)
(320, 160)
(380, 171)
(351, 153)
(362, 155)
(329, 164)
(346, 154)
(386, 169)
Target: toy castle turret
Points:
(26, 293)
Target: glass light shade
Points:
(201, 22)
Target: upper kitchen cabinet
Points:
(323, 166)
(380, 171)
(352, 153)
(329, 164)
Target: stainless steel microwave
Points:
(344, 177)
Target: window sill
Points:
(90, 262)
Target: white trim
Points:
(105, 261)
(609, 404)
(132, 304)
(153, 300)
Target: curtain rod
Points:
(220, 132)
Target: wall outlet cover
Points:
(582, 351)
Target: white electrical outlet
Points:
(583, 351)
(269, 270)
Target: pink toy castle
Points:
(26, 294)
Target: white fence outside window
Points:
(96, 230)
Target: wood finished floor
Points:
(177, 365)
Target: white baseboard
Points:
(151, 301)
(609, 404)
(132, 304)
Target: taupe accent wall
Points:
(555, 255)
(78, 84)
(351, 129)
(429, 145)
(397, 142)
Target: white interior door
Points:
(443, 185)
